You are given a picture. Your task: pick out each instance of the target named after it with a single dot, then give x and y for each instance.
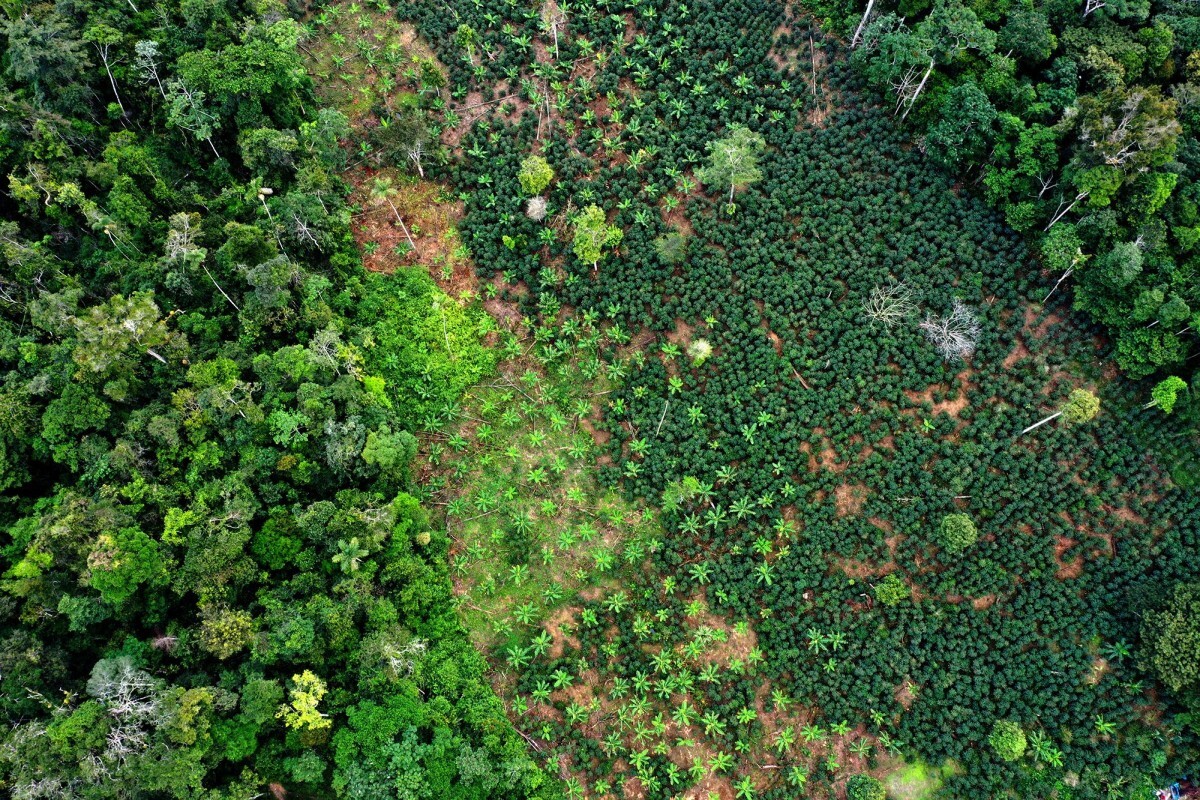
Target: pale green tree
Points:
(535, 175)
(593, 234)
(733, 161)
(1165, 393)
(1081, 406)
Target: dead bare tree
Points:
(955, 335)
(890, 305)
(1047, 184)
(1125, 135)
(903, 86)
(917, 92)
(46, 787)
(146, 62)
(535, 209)
(416, 151)
(553, 20)
(862, 24)
(302, 231)
(103, 38)
(1063, 209)
(181, 247)
(402, 659)
(131, 698)
(1079, 257)
(324, 348)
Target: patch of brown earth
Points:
(883, 525)
(1127, 514)
(952, 407)
(421, 211)
(736, 645)
(681, 334)
(985, 601)
(678, 220)
(905, 695)
(1099, 668)
(1042, 329)
(600, 437)
(1019, 352)
(1066, 571)
(860, 570)
(829, 460)
(559, 639)
(776, 342)
(849, 498)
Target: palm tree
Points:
(349, 555)
(745, 789)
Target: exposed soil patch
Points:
(828, 461)
(564, 616)
(776, 342)
(985, 601)
(1066, 570)
(431, 218)
(952, 407)
(864, 571)
(1099, 668)
(1018, 353)
(736, 645)
(849, 499)
(600, 437)
(1125, 513)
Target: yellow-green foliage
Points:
(428, 346)
(302, 713)
(535, 175)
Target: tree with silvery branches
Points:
(954, 335)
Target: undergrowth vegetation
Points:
(530, 527)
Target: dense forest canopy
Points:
(216, 576)
(814, 421)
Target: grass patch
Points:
(918, 780)
(516, 482)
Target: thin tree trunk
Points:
(156, 355)
(1065, 275)
(1042, 422)
(219, 289)
(660, 419)
(403, 227)
(812, 63)
(862, 24)
(917, 93)
(213, 146)
(1064, 212)
(113, 81)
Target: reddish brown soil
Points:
(849, 499)
(1066, 571)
